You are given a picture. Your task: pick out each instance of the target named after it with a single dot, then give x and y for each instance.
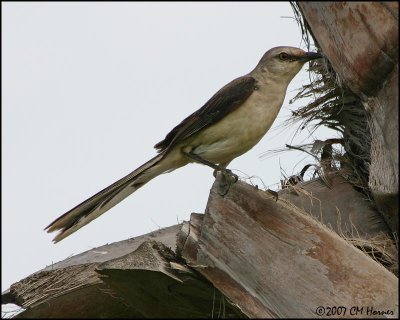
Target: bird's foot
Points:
(226, 180)
(226, 172)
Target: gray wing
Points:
(226, 100)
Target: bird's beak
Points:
(310, 56)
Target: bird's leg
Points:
(216, 167)
(197, 158)
(227, 177)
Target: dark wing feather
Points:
(226, 100)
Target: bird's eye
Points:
(283, 56)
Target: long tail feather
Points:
(102, 201)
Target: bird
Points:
(229, 124)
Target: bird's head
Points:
(284, 62)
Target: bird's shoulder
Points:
(223, 102)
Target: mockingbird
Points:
(228, 125)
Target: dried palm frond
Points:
(336, 107)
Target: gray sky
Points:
(88, 89)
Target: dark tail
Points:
(107, 198)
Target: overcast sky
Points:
(89, 88)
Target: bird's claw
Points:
(227, 178)
(229, 173)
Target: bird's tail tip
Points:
(52, 228)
